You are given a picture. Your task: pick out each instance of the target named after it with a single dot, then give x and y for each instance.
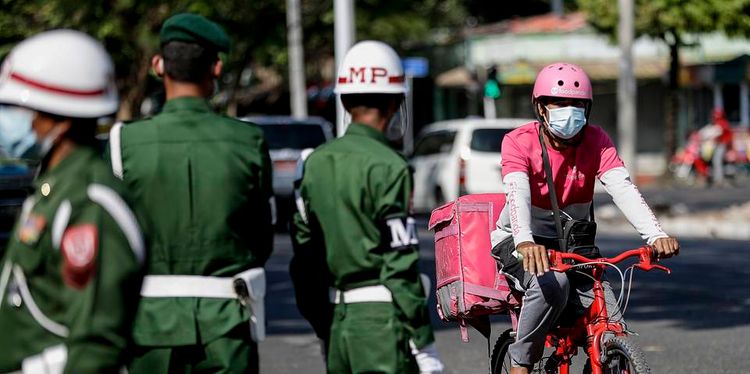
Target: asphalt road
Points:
(696, 320)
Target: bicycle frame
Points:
(589, 329)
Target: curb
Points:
(732, 223)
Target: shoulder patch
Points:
(79, 249)
(31, 229)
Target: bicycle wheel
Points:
(500, 360)
(623, 356)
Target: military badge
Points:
(79, 247)
(31, 229)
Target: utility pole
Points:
(557, 7)
(343, 34)
(626, 88)
(297, 91)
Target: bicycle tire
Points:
(500, 359)
(622, 355)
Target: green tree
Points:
(671, 21)
(129, 30)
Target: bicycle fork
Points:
(598, 326)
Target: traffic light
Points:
(492, 85)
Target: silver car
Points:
(287, 137)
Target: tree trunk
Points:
(136, 90)
(233, 86)
(672, 101)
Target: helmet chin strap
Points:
(572, 142)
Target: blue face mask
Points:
(566, 122)
(16, 135)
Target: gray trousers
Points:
(717, 163)
(545, 298)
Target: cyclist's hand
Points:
(535, 259)
(666, 247)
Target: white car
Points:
(458, 157)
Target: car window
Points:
(293, 136)
(487, 140)
(436, 142)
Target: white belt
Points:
(368, 294)
(50, 361)
(249, 287)
(188, 286)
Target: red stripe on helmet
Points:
(396, 79)
(56, 89)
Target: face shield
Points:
(399, 123)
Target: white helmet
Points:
(62, 72)
(371, 67)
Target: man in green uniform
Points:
(71, 274)
(204, 181)
(353, 221)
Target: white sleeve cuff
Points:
(630, 201)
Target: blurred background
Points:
(671, 84)
(689, 57)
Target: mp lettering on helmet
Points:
(371, 75)
(403, 232)
(378, 73)
(355, 73)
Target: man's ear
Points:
(216, 69)
(157, 64)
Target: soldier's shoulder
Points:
(241, 127)
(133, 123)
(133, 127)
(392, 158)
(101, 174)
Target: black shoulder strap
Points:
(552, 193)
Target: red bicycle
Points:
(605, 340)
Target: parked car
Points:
(458, 157)
(287, 137)
(15, 185)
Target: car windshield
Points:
(487, 140)
(436, 142)
(294, 136)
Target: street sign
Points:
(417, 67)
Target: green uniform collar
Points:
(368, 131)
(192, 103)
(76, 160)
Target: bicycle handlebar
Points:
(646, 260)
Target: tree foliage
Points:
(129, 29)
(671, 20)
(659, 18)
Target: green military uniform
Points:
(71, 274)
(356, 194)
(204, 181)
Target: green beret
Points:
(193, 28)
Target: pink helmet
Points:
(562, 80)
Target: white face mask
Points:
(566, 122)
(16, 136)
